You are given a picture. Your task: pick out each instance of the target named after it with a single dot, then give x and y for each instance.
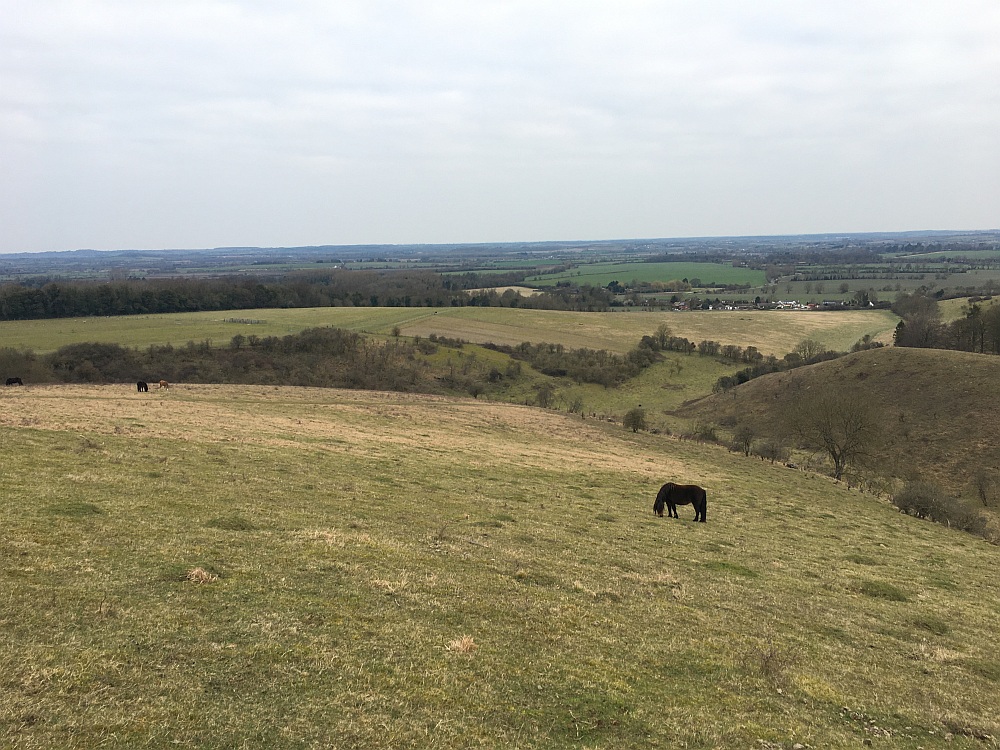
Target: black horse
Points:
(142, 387)
(673, 495)
(14, 381)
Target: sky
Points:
(202, 123)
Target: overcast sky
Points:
(202, 123)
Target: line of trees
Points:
(978, 330)
(582, 365)
(336, 288)
(322, 357)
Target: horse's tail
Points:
(703, 502)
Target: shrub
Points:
(920, 499)
(928, 500)
(771, 450)
(635, 419)
(743, 439)
(706, 431)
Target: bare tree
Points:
(984, 484)
(743, 438)
(809, 348)
(662, 335)
(771, 449)
(848, 427)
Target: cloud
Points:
(450, 121)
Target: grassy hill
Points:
(217, 566)
(940, 406)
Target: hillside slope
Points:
(940, 406)
(220, 566)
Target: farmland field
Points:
(602, 274)
(772, 332)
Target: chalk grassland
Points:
(939, 407)
(602, 274)
(272, 567)
(771, 332)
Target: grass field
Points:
(772, 332)
(602, 274)
(273, 567)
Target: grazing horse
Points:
(14, 381)
(673, 495)
(164, 384)
(142, 387)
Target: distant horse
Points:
(164, 384)
(142, 387)
(673, 495)
(14, 381)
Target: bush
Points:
(928, 500)
(635, 419)
(706, 431)
(743, 439)
(920, 499)
(771, 450)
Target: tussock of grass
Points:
(724, 566)
(233, 522)
(200, 575)
(770, 658)
(883, 590)
(75, 509)
(932, 624)
(464, 645)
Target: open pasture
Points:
(602, 274)
(216, 566)
(772, 332)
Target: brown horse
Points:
(164, 384)
(673, 495)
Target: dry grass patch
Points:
(464, 645)
(200, 575)
(392, 587)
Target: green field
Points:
(772, 332)
(602, 274)
(219, 567)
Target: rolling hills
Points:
(220, 566)
(939, 406)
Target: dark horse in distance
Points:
(673, 495)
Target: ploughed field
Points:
(219, 566)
